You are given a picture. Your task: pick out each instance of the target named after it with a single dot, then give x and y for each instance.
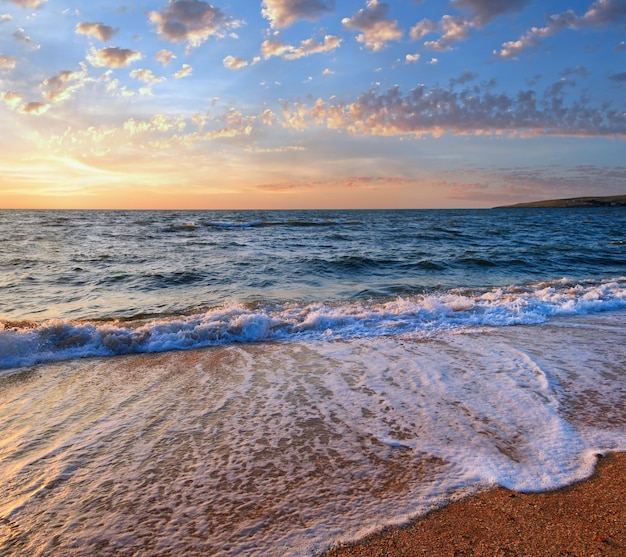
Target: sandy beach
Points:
(585, 519)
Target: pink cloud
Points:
(375, 28)
(283, 13)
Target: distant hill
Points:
(607, 201)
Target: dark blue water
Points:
(286, 272)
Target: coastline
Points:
(583, 519)
(571, 202)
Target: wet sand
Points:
(583, 520)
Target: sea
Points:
(264, 383)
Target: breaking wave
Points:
(29, 343)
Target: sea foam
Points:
(417, 316)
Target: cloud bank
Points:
(471, 111)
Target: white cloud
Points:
(185, 71)
(11, 98)
(7, 62)
(113, 57)
(97, 30)
(376, 30)
(164, 57)
(233, 63)
(454, 29)
(146, 76)
(307, 47)
(63, 85)
(28, 3)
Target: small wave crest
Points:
(28, 343)
(262, 224)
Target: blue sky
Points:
(310, 103)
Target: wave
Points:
(287, 223)
(28, 343)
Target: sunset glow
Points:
(310, 103)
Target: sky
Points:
(287, 104)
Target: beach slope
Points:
(584, 519)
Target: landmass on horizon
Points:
(606, 201)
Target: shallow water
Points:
(244, 449)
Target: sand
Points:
(585, 519)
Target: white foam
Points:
(299, 445)
(419, 316)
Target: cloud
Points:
(343, 182)
(465, 77)
(485, 11)
(113, 57)
(605, 12)
(146, 76)
(28, 3)
(192, 21)
(578, 70)
(7, 62)
(5, 17)
(471, 111)
(164, 57)
(35, 108)
(601, 14)
(63, 85)
(454, 29)
(457, 28)
(21, 37)
(307, 47)
(411, 58)
(376, 30)
(423, 28)
(97, 30)
(618, 77)
(272, 47)
(311, 46)
(185, 71)
(11, 98)
(159, 123)
(283, 13)
(233, 63)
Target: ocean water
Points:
(276, 382)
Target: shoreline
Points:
(583, 519)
